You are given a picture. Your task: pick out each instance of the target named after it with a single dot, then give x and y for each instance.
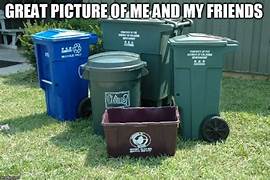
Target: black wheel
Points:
(215, 129)
(85, 108)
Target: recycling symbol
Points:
(77, 48)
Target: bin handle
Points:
(232, 45)
(144, 71)
(178, 24)
(138, 125)
(80, 69)
(46, 81)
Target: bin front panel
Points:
(150, 41)
(70, 50)
(120, 145)
(112, 94)
(133, 37)
(197, 76)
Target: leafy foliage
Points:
(73, 24)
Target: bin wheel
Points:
(85, 108)
(214, 129)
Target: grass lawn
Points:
(39, 147)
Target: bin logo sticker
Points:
(140, 142)
(117, 99)
(199, 57)
(77, 48)
(128, 37)
(71, 51)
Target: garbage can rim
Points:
(62, 34)
(114, 53)
(199, 39)
(115, 61)
(118, 69)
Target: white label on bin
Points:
(71, 51)
(140, 142)
(47, 54)
(199, 57)
(117, 99)
(128, 37)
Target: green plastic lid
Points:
(138, 21)
(199, 39)
(115, 61)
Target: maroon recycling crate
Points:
(141, 131)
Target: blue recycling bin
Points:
(59, 53)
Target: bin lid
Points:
(63, 34)
(200, 39)
(115, 61)
(141, 21)
(128, 20)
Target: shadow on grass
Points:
(188, 144)
(27, 79)
(27, 123)
(80, 137)
(77, 136)
(251, 96)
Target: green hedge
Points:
(92, 26)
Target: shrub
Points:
(73, 24)
(89, 25)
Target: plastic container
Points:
(198, 62)
(59, 53)
(149, 38)
(115, 82)
(141, 131)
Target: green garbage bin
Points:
(114, 82)
(198, 62)
(148, 38)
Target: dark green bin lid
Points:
(115, 61)
(200, 39)
(138, 21)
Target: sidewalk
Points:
(13, 55)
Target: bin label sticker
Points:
(71, 51)
(117, 99)
(128, 37)
(47, 54)
(140, 142)
(199, 57)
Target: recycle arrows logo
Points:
(77, 48)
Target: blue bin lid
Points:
(63, 35)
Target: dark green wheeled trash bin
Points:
(148, 38)
(114, 82)
(198, 62)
